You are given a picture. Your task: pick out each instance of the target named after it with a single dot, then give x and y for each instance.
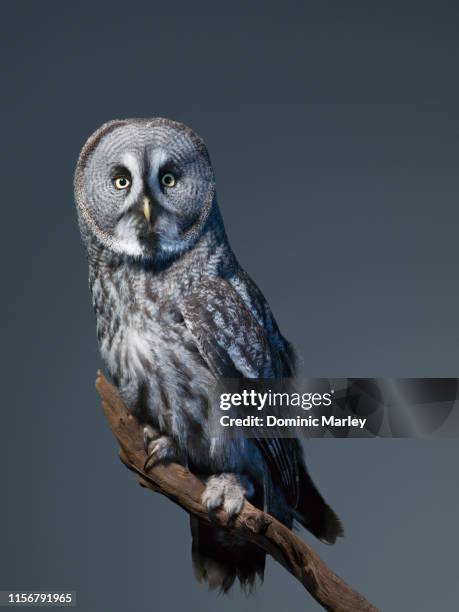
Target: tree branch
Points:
(185, 489)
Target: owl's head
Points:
(144, 187)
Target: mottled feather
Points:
(174, 311)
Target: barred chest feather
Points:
(153, 359)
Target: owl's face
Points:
(144, 187)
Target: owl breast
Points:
(153, 359)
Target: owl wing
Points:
(234, 345)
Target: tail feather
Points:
(314, 513)
(219, 558)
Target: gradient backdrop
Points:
(333, 128)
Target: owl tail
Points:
(314, 513)
(220, 557)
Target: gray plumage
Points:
(174, 310)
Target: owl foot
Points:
(224, 491)
(159, 448)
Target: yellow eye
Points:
(121, 182)
(168, 179)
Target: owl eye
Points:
(121, 182)
(168, 179)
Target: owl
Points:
(174, 313)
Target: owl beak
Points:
(146, 209)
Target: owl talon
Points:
(149, 435)
(151, 458)
(224, 491)
(158, 448)
(149, 462)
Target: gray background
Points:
(333, 128)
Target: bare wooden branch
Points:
(183, 488)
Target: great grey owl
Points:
(174, 311)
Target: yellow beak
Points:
(146, 208)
